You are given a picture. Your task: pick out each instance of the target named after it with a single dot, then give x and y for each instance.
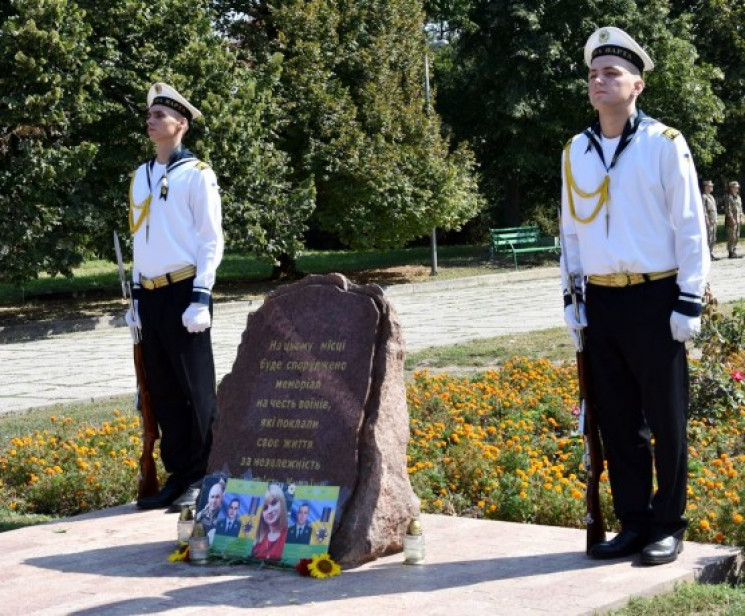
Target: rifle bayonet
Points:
(126, 288)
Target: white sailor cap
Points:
(163, 94)
(610, 41)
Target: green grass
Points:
(12, 521)
(91, 277)
(690, 600)
(94, 289)
(452, 261)
(552, 344)
(100, 276)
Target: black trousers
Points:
(640, 381)
(180, 372)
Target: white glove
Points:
(132, 318)
(574, 322)
(684, 328)
(196, 318)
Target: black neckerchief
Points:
(594, 135)
(178, 157)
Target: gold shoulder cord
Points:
(144, 208)
(603, 191)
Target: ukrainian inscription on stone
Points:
(292, 407)
(316, 396)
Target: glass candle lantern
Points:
(185, 525)
(199, 546)
(414, 544)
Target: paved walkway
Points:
(114, 561)
(67, 362)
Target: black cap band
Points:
(175, 105)
(621, 52)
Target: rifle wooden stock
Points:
(593, 454)
(148, 479)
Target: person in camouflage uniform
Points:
(733, 218)
(710, 211)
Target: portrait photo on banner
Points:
(275, 522)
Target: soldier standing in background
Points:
(710, 210)
(733, 218)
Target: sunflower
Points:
(180, 555)
(323, 567)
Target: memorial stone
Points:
(316, 396)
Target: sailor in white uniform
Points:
(634, 231)
(175, 216)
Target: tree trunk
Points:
(286, 269)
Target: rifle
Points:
(148, 477)
(592, 457)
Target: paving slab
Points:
(115, 562)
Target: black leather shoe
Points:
(189, 497)
(625, 543)
(662, 551)
(168, 493)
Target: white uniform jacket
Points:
(653, 220)
(183, 229)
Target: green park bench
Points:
(519, 240)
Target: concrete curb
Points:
(45, 329)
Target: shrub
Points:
(501, 445)
(717, 377)
(69, 469)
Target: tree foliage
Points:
(72, 115)
(514, 85)
(264, 210)
(360, 129)
(717, 31)
(49, 85)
